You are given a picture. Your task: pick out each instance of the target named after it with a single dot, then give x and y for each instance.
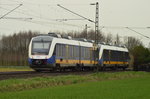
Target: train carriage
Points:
(50, 52)
(113, 56)
(47, 52)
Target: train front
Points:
(40, 54)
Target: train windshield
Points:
(40, 48)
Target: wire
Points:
(76, 13)
(125, 27)
(17, 18)
(68, 19)
(138, 33)
(10, 11)
(46, 4)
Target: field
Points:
(119, 85)
(14, 68)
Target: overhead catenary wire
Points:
(129, 28)
(47, 4)
(43, 22)
(76, 13)
(116, 27)
(10, 11)
(138, 33)
(18, 18)
(44, 19)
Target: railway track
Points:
(30, 74)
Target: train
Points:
(55, 52)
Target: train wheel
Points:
(123, 68)
(37, 70)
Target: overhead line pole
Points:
(10, 11)
(96, 22)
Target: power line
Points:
(10, 11)
(47, 4)
(17, 18)
(129, 28)
(76, 13)
(25, 14)
(68, 19)
(41, 22)
(125, 27)
(138, 33)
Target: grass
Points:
(48, 81)
(14, 68)
(129, 88)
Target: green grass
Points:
(120, 85)
(132, 88)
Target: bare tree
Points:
(131, 42)
(14, 48)
(117, 40)
(109, 38)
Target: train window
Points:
(72, 47)
(77, 52)
(60, 50)
(40, 47)
(56, 50)
(106, 55)
(111, 55)
(70, 52)
(127, 56)
(63, 50)
(84, 53)
(88, 54)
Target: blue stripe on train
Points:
(100, 61)
(30, 61)
(51, 60)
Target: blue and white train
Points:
(51, 52)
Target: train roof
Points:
(116, 48)
(62, 40)
(57, 38)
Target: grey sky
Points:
(132, 13)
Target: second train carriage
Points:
(47, 52)
(113, 56)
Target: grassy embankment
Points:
(14, 68)
(120, 85)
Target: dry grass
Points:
(14, 68)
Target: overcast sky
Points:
(45, 14)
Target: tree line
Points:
(14, 48)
